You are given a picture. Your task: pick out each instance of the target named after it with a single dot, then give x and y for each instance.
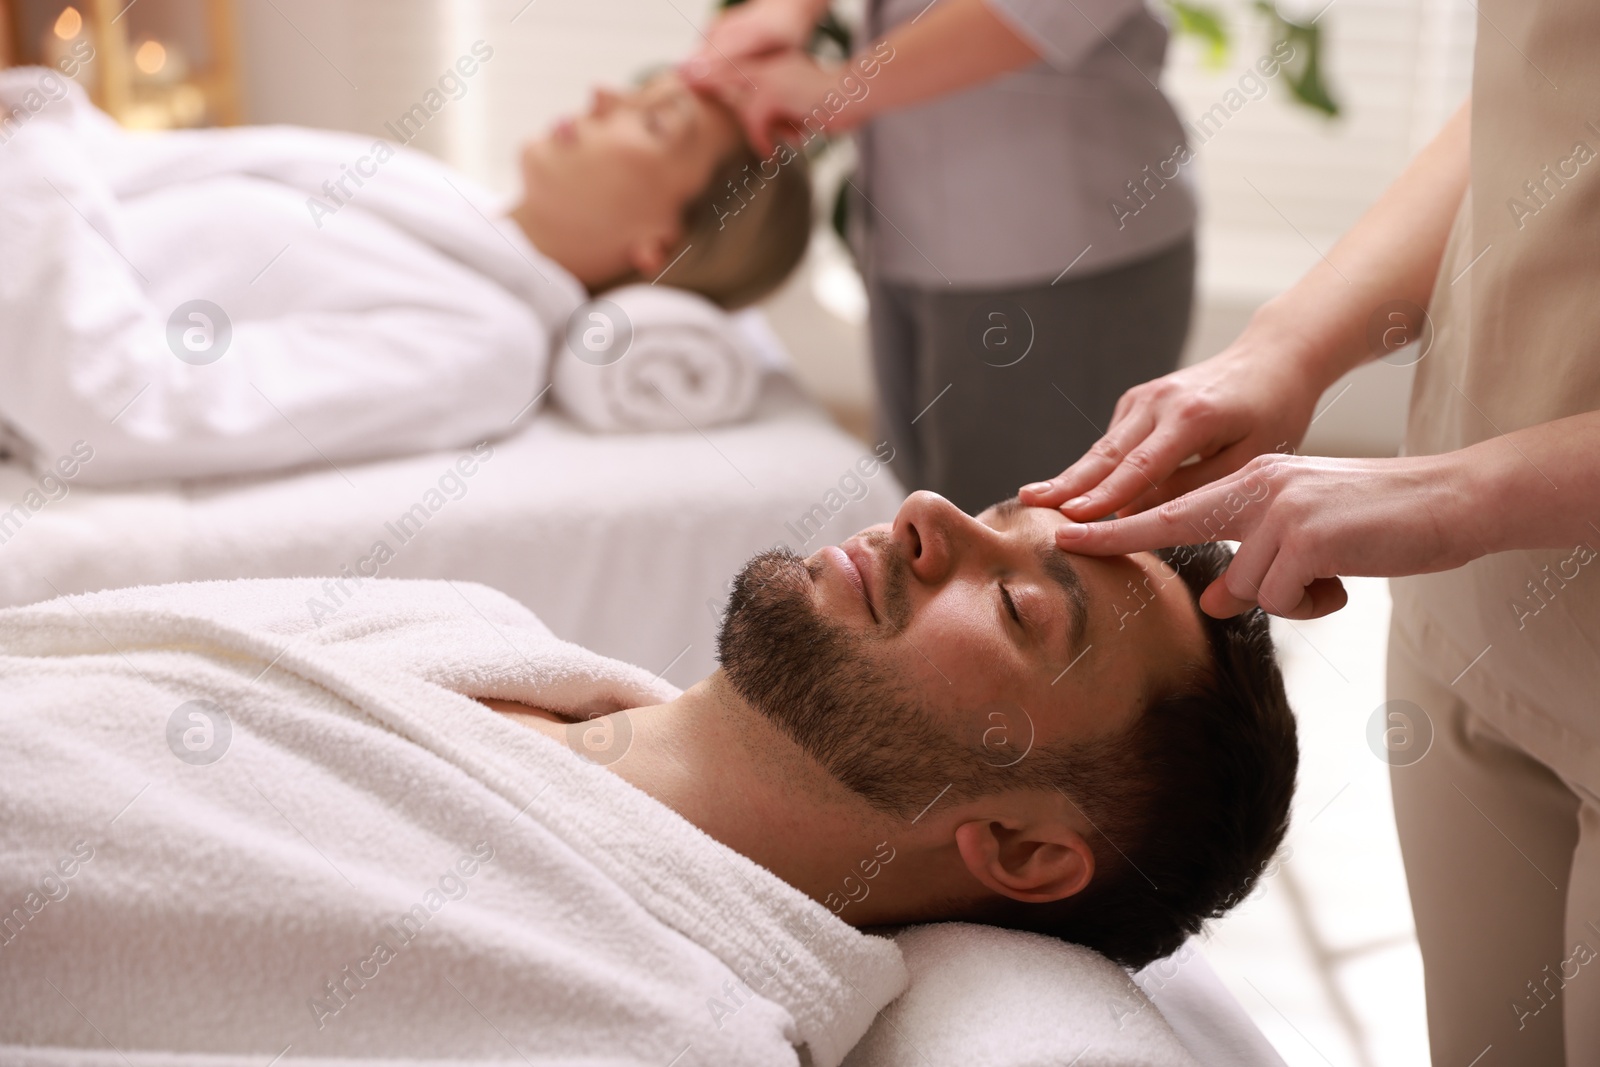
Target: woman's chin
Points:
(533, 153)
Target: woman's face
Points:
(622, 172)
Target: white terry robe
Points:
(410, 316)
(531, 906)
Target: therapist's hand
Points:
(754, 28)
(773, 95)
(741, 35)
(1303, 521)
(1252, 398)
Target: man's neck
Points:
(724, 767)
(708, 756)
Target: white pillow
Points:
(981, 996)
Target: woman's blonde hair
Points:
(746, 231)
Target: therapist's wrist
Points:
(1280, 338)
(1502, 502)
(856, 83)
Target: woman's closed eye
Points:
(669, 117)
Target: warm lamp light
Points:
(68, 23)
(150, 57)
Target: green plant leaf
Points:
(1304, 72)
(1207, 25)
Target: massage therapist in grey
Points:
(1012, 300)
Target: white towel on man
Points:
(378, 868)
(671, 360)
(360, 316)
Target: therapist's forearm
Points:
(1392, 253)
(1537, 487)
(954, 45)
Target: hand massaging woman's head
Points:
(1143, 755)
(616, 194)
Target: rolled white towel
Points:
(671, 360)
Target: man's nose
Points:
(604, 101)
(928, 530)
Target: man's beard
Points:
(818, 683)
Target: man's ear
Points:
(1027, 861)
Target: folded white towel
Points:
(240, 820)
(986, 997)
(672, 360)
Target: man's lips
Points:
(862, 562)
(852, 571)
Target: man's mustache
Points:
(894, 573)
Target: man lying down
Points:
(228, 301)
(428, 829)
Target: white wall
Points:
(356, 64)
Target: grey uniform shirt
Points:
(1010, 181)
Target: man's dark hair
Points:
(1189, 803)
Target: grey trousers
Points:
(983, 390)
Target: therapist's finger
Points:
(1327, 595)
(1187, 479)
(1322, 597)
(1292, 586)
(711, 72)
(1268, 571)
(1125, 405)
(762, 122)
(1219, 603)
(1144, 469)
(1218, 512)
(1239, 586)
(1103, 457)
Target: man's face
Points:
(943, 648)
